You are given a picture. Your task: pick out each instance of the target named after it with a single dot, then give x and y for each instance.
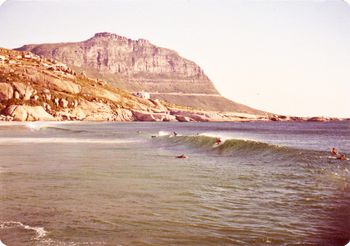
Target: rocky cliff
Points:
(35, 88)
(137, 65)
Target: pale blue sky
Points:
(288, 57)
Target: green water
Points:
(113, 184)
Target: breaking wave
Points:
(39, 126)
(204, 143)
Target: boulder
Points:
(5, 118)
(103, 116)
(124, 115)
(194, 116)
(145, 116)
(16, 95)
(28, 113)
(92, 111)
(150, 116)
(317, 119)
(182, 118)
(274, 118)
(199, 118)
(48, 97)
(65, 86)
(63, 103)
(6, 91)
(24, 91)
(168, 117)
(76, 114)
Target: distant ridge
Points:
(33, 88)
(138, 65)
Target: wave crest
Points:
(229, 146)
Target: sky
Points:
(286, 57)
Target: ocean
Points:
(266, 183)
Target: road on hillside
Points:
(184, 94)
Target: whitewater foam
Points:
(163, 133)
(36, 126)
(225, 137)
(39, 231)
(33, 123)
(66, 140)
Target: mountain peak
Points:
(114, 36)
(109, 36)
(138, 65)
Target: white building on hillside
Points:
(142, 94)
(2, 59)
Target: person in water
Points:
(175, 134)
(342, 157)
(218, 141)
(183, 156)
(334, 151)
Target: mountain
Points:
(36, 88)
(138, 65)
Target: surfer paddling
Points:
(334, 152)
(183, 156)
(342, 157)
(337, 155)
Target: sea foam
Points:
(66, 140)
(39, 231)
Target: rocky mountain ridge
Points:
(138, 65)
(134, 60)
(35, 88)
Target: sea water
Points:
(266, 183)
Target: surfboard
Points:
(332, 157)
(336, 158)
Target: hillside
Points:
(138, 65)
(36, 88)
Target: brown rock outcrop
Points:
(150, 116)
(182, 118)
(28, 113)
(138, 61)
(65, 86)
(193, 116)
(32, 91)
(318, 119)
(137, 65)
(24, 91)
(124, 115)
(6, 91)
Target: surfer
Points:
(183, 156)
(218, 141)
(342, 157)
(175, 134)
(334, 152)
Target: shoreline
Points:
(62, 122)
(40, 89)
